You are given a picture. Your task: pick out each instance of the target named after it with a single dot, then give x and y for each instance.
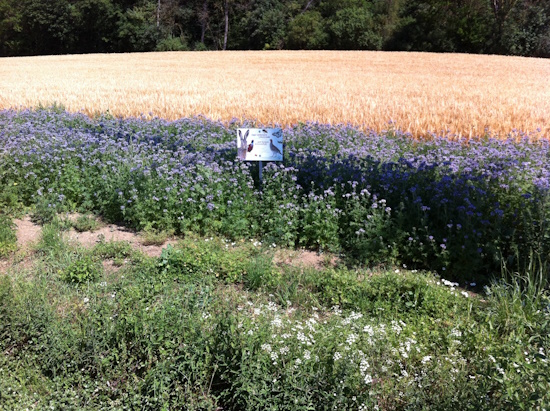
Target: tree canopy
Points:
(36, 27)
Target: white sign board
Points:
(260, 144)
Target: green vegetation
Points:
(29, 27)
(215, 324)
(8, 239)
(86, 222)
(218, 322)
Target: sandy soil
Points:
(29, 233)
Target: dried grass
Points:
(418, 92)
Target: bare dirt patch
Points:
(304, 258)
(29, 233)
(112, 232)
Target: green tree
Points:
(10, 28)
(262, 25)
(137, 29)
(354, 28)
(444, 26)
(48, 27)
(501, 11)
(307, 31)
(96, 26)
(527, 30)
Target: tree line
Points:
(37, 27)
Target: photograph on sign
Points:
(260, 144)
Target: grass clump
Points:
(151, 236)
(8, 238)
(86, 222)
(116, 250)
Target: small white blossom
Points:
(456, 333)
(351, 339)
(277, 322)
(364, 366)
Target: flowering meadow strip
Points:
(160, 337)
(460, 207)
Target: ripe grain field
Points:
(418, 92)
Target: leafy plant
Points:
(113, 249)
(83, 269)
(86, 222)
(8, 238)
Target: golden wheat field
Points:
(417, 92)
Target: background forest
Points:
(35, 27)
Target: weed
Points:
(86, 222)
(151, 236)
(82, 270)
(8, 238)
(113, 249)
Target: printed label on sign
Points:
(260, 144)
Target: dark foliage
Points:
(34, 27)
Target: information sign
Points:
(260, 144)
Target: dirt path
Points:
(29, 233)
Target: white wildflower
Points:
(277, 322)
(310, 324)
(368, 330)
(364, 366)
(351, 339)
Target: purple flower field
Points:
(463, 208)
